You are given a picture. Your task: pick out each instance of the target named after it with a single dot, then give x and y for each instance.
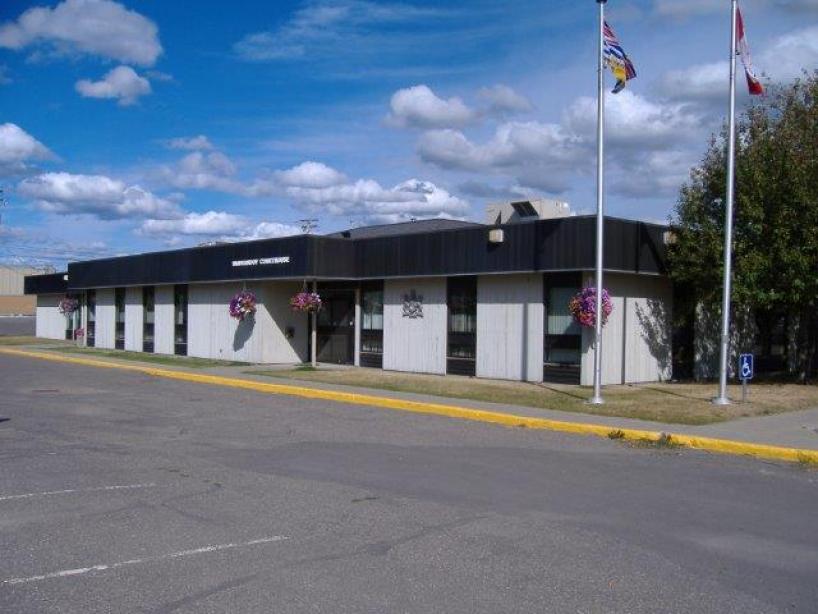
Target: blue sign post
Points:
(745, 373)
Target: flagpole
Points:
(600, 234)
(724, 357)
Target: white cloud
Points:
(209, 223)
(420, 107)
(203, 171)
(324, 28)
(17, 147)
(264, 230)
(503, 100)
(790, 54)
(214, 225)
(781, 61)
(97, 195)
(96, 27)
(368, 200)
(633, 120)
(191, 143)
(310, 175)
(121, 83)
(690, 8)
(545, 156)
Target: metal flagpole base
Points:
(595, 401)
(721, 401)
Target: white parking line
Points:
(50, 493)
(150, 559)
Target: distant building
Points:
(13, 300)
(526, 211)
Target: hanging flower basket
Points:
(308, 302)
(68, 305)
(243, 305)
(583, 307)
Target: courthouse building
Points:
(434, 296)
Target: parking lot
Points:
(120, 492)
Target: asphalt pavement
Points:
(121, 492)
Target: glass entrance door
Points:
(336, 327)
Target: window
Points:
(119, 331)
(180, 320)
(72, 320)
(91, 324)
(148, 312)
(372, 324)
(562, 349)
(462, 327)
(563, 334)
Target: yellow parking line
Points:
(722, 446)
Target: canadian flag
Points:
(743, 49)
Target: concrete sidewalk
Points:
(798, 429)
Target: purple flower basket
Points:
(243, 305)
(583, 307)
(308, 302)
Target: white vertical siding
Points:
(50, 323)
(106, 318)
(212, 333)
(636, 342)
(277, 318)
(133, 319)
(163, 331)
(415, 344)
(510, 327)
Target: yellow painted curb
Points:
(721, 446)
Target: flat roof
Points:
(451, 248)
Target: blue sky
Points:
(134, 126)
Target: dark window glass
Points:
(119, 331)
(91, 324)
(73, 319)
(462, 341)
(180, 304)
(563, 336)
(372, 318)
(148, 313)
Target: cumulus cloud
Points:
(97, 195)
(18, 148)
(367, 200)
(96, 27)
(503, 100)
(203, 171)
(546, 156)
(420, 107)
(782, 60)
(209, 223)
(690, 8)
(191, 143)
(214, 225)
(121, 83)
(310, 175)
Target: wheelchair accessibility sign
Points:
(745, 366)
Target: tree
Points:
(775, 249)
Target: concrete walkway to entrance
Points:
(796, 431)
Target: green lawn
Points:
(26, 340)
(671, 403)
(159, 359)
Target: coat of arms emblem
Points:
(413, 305)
